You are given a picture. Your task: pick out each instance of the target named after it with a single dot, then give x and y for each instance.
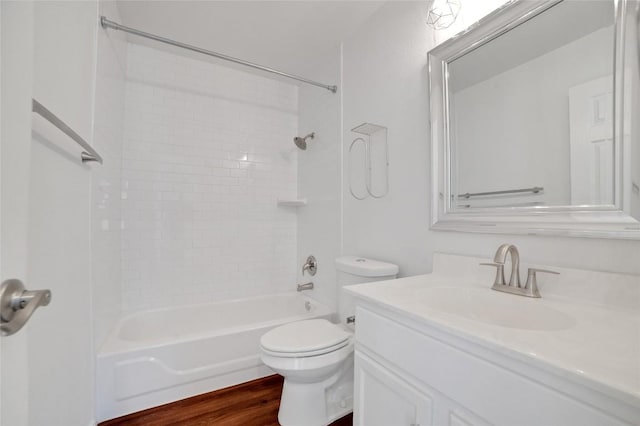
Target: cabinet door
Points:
(383, 399)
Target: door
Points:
(591, 141)
(16, 63)
(48, 54)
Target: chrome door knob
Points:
(18, 304)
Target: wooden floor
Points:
(253, 403)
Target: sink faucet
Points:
(501, 257)
(514, 286)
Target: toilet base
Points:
(317, 404)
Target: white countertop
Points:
(599, 345)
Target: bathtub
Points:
(155, 357)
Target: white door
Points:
(591, 141)
(46, 368)
(15, 124)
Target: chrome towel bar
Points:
(89, 154)
(535, 190)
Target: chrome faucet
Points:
(514, 286)
(501, 257)
(310, 265)
(307, 286)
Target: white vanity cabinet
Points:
(408, 372)
(384, 398)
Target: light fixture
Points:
(443, 13)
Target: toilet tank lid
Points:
(364, 267)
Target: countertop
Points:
(598, 347)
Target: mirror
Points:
(531, 118)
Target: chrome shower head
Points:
(302, 142)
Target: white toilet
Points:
(316, 356)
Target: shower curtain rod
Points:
(105, 23)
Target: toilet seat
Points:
(305, 354)
(304, 339)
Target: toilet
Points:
(315, 357)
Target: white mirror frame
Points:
(607, 221)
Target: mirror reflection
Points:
(531, 114)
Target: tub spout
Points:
(307, 286)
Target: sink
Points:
(492, 307)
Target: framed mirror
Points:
(535, 121)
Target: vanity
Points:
(445, 349)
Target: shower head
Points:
(302, 142)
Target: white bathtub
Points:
(155, 357)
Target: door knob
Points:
(18, 304)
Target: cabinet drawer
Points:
(497, 394)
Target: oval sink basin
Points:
(492, 307)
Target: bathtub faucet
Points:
(311, 265)
(307, 286)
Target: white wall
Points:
(106, 182)
(385, 82)
(207, 152)
(319, 179)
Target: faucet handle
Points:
(499, 280)
(532, 284)
(310, 265)
(547, 271)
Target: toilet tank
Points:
(357, 270)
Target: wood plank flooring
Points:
(253, 403)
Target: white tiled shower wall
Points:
(207, 152)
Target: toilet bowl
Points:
(315, 357)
